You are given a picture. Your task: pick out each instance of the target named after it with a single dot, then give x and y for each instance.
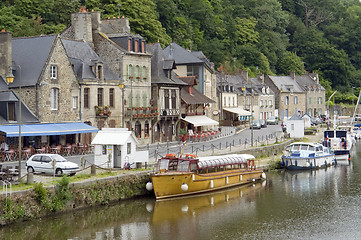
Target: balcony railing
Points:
(142, 112)
(169, 112)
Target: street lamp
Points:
(10, 79)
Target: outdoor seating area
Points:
(199, 136)
(8, 173)
(67, 150)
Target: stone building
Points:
(196, 64)
(125, 54)
(242, 95)
(290, 98)
(45, 81)
(315, 94)
(166, 89)
(98, 85)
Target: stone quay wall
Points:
(45, 201)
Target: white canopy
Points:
(113, 136)
(238, 110)
(200, 120)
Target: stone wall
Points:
(27, 204)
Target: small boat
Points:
(340, 142)
(182, 176)
(305, 155)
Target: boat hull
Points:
(168, 185)
(304, 163)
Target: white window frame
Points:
(54, 98)
(53, 72)
(75, 102)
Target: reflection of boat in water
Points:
(191, 205)
(181, 176)
(305, 155)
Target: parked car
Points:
(263, 123)
(43, 163)
(273, 120)
(256, 124)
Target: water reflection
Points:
(319, 204)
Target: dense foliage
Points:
(269, 36)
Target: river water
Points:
(321, 204)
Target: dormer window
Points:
(267, 90)
(99, 71)
(53, 72)
(263, 90)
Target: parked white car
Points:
(43, 163)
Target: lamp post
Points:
(121, 86)
(10, 79)
(19, 121)
(252, 99)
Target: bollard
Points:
(93, 170)
(30, 178)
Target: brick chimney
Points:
(5, 53)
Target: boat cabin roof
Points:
(209, 162)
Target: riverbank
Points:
(64, 196)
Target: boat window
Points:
(183, 166)
(340, 134)
(311, 148)
(163, 164)
(289, 148)
(193, 167)
(318, 149)
(304, 147)
(329, 134)
(173, 164)
(296, 147)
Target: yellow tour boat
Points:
(181, 176)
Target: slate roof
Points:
(306, 81)
(180, 55)
(200, 55)
(7, 95)
(195, 98)
(295, 117)
(160, 66)
(286, 84)
(31, 54)
(82, 56)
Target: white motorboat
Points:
(306, 155)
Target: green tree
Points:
(290, 62)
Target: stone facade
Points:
(38, 98)
(132, 66)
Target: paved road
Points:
(241, 138)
